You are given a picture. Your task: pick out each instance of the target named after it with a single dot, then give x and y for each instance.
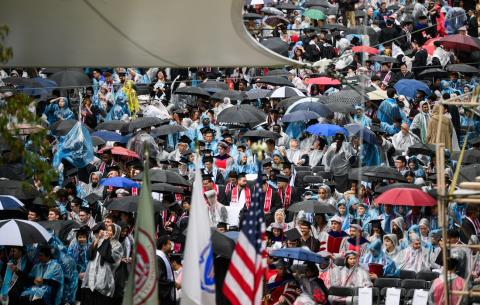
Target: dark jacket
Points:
(166, 288)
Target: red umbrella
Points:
(120, 151)
(428, 45)
(323, 81)
(406, 197)
(365, 49)
(460, 42)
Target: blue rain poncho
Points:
(120, 109)
(76, 147)
(64, 113)
(247, 168)
(377, 256)
(69, 267)
(50, 113)
(362, 119)
(48, 271)
(388, 111)
(370, 154)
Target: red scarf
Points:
(288, 197)
(267, 204)
(235, 194)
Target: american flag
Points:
(244, 280)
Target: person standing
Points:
(166, 277)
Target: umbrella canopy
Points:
(19, 189)
(112, 125)
(8, 202)
(97, 141)
(286, 92)
(62, 127)
(377, 95)
(231, 94)
(469, 172)
(433, 72)
(195, 91)
(462, 68)
(323, 81)
(317, 107)
(421, 149)
(313, 206)
(276, 20)
(460, 42)
(60, 228)
(129, 204)
(348, 96)
(340, 107)
(251, 16)
(387, 187)
(406, 197)
(287, 6)
(209, 85)
(18, 232)
(23, 82)
(254, 94)
(284, 104)
(365, 49)
(120, 151)
(144, 122)
(241, 114)
(110, 136)
(263, 134)
(300, 254)
(323, 3)
(360, 131)
(276, 44)
(275, 80)
(327, 130)
(272, 11)
(314, 14)
(383, 58)
(300, 115)
(409, 87)
(166, 188)
(167, 129)
(164, 176)
(429, 45)
(120, 182)
(469, 156)
(384, 172)
(69, 78)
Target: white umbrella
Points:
(18, 232)
(285, 92)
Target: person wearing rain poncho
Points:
(16, 275)
(420, 121)
(325, 194)
(131, 94)
(414, 166)
(397, 226)
(351, 275)
(415, 258)
(63, 112)
(119, 110)
(370, 154)
(363, 215)
(424, 227)
(242, 165)
(47, 276)
(94, 186)
(436, 294)
(50, 110)
(343, 213)
(78, 250)
(361, 118)
(403, 139)
(105, 256)
(338, 160)
(69, 267)
(435, 248)
(375, 255)
(355, 242)
(392, 248)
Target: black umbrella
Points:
(20, 189)
(251, 16)
(22, 82)
(97, 141)
(112, 125)
(383, 58)
(469, 157)
(241, 114)
(462, 68)
(164, 176)
(129, 204)
(195, 91)
(144, 122)
(433, 72)
(254, 94)
(275, 80)
(264, 134)
(276, 20)
(166, 130)
(468, 173)
(92, 198)
(421, 149)
(18, 232)
(287, 6)
(322, 3)
(277, 45)
(278, 72)
(312, 206)
(222, 244)
(384, 172)
(166, 188)
(340, 107)
(62, 127)
(387, 187)
(285, 103)
(357, 173)
(335, 26)
(348, 96)
(233, 95)
(214, 85)
(71, 79)
(60, 228)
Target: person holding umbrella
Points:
(338, 159)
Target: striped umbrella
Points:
(17, 232)
(8, 202)
(284, 92)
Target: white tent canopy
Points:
(142, 33)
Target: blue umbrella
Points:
(8, 202)
(119, 182)
(409, 87)
(298, 116)
(317, 107)
(300, 254)
(365, 133)
(327, 130)
(110, 136)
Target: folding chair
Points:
(375, 295)
(383, 282)
(407, 275)
(302, 168)
(299, 181)
(414, 284)
(312, 179)
(317, 169)
(345, 292)
(383, 295)
(427, 276)
(339, 261)
(409, 295)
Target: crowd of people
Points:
(361, 242)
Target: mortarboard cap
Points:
(282, 178)
(293, 234)
(184, 139)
